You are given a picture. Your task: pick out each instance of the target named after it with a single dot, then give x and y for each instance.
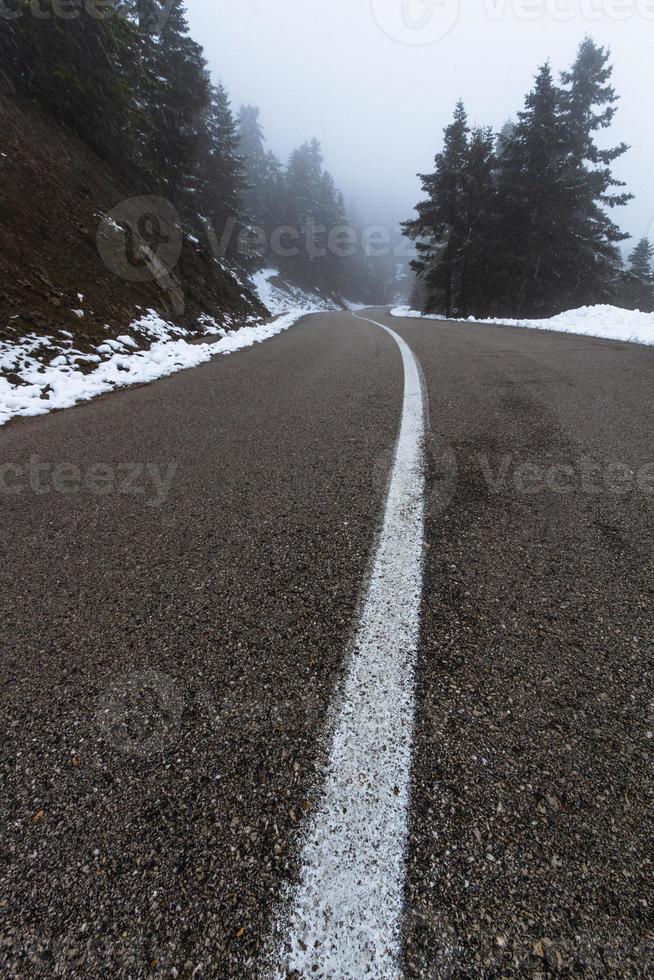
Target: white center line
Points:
(345, 912)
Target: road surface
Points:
(185, 569)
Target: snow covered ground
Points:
(355, 307)
(48, 368)
(608, 322)
(39, 374)
(280, 296)
(46, 373)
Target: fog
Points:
(376, 82)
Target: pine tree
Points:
(303, 178)
(148, 15)
(332, 216)
(589, 104)
(221, 180)
(273, 193)
(304, 193)
(532, 206)
(522, 228)
(478, 202)
(439, 229)
(637, 290)
(504, 136)
(83, 71)
(556, 243)
(418, 294)
(367, 276)
(383, 280)
(264, 196)
(181, 106)
(452, 228)
(252, 149)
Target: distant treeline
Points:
(303, 225)
(135, 87)
(518, 224)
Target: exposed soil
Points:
(54, 192)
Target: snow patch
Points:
(607, 322)
(284, 297)
(44, 387)
(210, 326)
(152, 325)
(355, 307)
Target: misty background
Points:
(379, 104)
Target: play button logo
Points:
(416, 21)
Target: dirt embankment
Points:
(72, 257)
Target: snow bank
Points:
(284, 297)
(608, 322)
(60, 384)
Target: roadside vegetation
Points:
(519, 224)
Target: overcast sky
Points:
(376, 80)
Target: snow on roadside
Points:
(607, 322)
(283, 297)
(50, 382)
(355, 307)
(280, 296)
(41, 374)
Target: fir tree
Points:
(504, 136)
(589, 104)
(304, 192)
(452, 228)
(83, 71)
(273, 192)
(637, 291)
(522, 229)
(265, 199)
(252, 149)
(532, 206)
(478, 201)
(221, 180)
(148, 15)
(181, 108)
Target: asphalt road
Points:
(182, 568)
